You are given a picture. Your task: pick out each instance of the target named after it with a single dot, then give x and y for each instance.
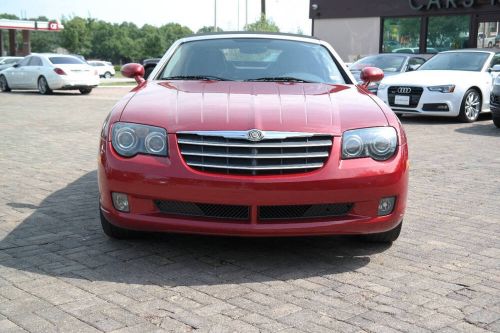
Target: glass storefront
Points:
(401, 35)
(447, 33)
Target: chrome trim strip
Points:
(268, 135)
(319, 143)
(257, 156)
(259, 167)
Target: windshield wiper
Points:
(280, 79)
(195, 77)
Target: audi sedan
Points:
(252, 135)
(451, 84)
(47, 72)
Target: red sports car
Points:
(252, 135)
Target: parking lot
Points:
(58, 271)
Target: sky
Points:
(289, 15)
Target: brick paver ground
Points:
(58, 272)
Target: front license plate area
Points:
(402, 100)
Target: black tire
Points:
(107, 75)
(85, 91)
(384, 237)
(4, 85)
(496, 121)
(113, 231)
(471, 106)
(43, 86)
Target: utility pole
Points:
(215, 15)
(246, 12)
(263, 7)
(238, 16)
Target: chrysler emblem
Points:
(255, 135)
(404, 90)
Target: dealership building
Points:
(356, 28)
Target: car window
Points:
(241, 59)
(387, 63)
(495, 60)
(35, 61)
(25, 61)
(66, 61)
(458, 61)
(11, 61)
(416, 61)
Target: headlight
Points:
(379, 143)
(443, 89)
(132, 139)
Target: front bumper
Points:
(428, 103)
(362, 182)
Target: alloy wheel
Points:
(472, 105)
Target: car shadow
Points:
(488, 129)
(62, 237)
(54, 93)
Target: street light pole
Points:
(215, 15)
(263, 7)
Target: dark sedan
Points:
(391, 64)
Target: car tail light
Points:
(59, 71)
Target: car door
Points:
(31, 73)
(15, 75)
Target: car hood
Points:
(430, 78)
(224, 105)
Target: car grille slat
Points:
(415, 94)
(297, 153)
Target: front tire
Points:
(113, 231)
(107, 75)
(496, 121)
(43, 86)
(4, 85)
(384, 237)
(471, 106)
(85, 91)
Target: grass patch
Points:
(110, 84)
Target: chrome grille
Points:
(233, 153)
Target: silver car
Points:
(6, 62)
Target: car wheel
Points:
(43, 86)
(85, 91)
(113, 231)
(107, 75)
(4, 86)
(496, 121)
(490, 45)
(384, 237)
(471, 106)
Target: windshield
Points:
(246, 59)
(65, 61)
(385, 63)
(456, 61)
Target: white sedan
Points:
(452, 83)
(47, 72)
(104, 68)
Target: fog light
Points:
(120, 201)
(386, 206)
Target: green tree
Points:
(208, 29)
(77, 36)
(262, 25)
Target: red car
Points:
(252, 135)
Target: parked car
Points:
(485, 41)
(390, 63)
(6, 62)
(495, 98)
(149, 65)
(105, 69)
(222, 140)
(452, 83)
(47, 72)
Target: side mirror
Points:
(495, 68)
(371, 74)
(135, 71)
(412, 68)
(15, 65)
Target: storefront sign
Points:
(447, 4)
